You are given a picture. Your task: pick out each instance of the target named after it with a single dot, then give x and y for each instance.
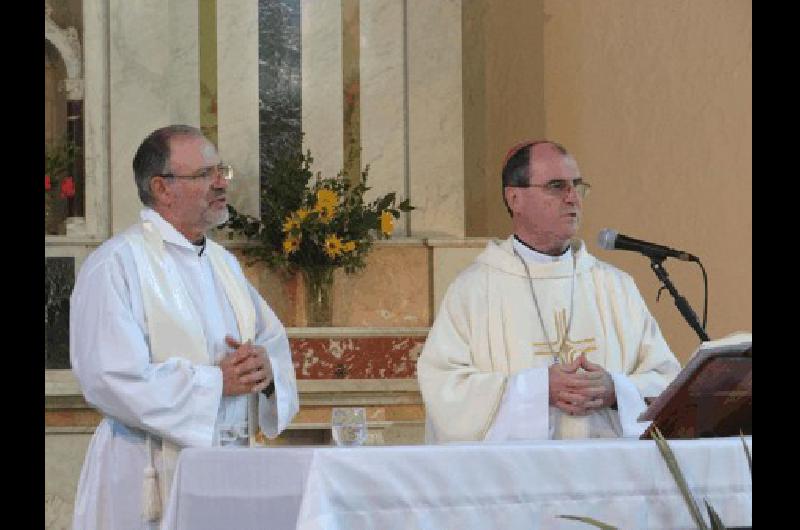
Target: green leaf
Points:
(385, 201)
(405, 206)
(590, 521)
(716, 522)
(747, 452)
(677, 474)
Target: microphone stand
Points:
(680, 302)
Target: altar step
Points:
(395, 412)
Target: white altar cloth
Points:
(460, 486)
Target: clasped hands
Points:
(580, 387)
(246, 369)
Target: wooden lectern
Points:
(711, 396)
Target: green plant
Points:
(312, 223)
(677, 474)
(590, 521)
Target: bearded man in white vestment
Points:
(168, 339)
(538, 339)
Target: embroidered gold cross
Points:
(566, 348)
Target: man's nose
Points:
(219, 182)
(572, 195)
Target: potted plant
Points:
(313, 225)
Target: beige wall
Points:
(503, 69)
(655, 100)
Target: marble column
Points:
(322, 84)
(383, 118)
(96, 116)
(237, 99)
(435, 118)
(153, 82)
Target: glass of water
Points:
(349, 426)
(234, 434)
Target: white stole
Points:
(174, 329)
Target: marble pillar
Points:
(96, 116)
(383, 119)
(237, 103)
(153, 82)
(322, 84)
(435, 118)
(279, 81)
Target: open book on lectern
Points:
(711, 396)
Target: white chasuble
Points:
(483, 372)
(148, 320)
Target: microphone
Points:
(609, 239)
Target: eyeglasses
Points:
(210, 173)
(560, 187)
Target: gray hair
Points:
(152, 158)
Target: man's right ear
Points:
(159, 188)
(510, 193)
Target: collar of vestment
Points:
(499, 255)
(532, 255)
(168, 232)
(165, 294)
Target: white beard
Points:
(216, 219)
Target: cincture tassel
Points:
(151, 499)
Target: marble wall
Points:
(58, 282)
(394, 291)
(97, 204)
(237, 98)
(153, 81)
(435, 118)
(279, 80)
(280, 69)
(322, 82)
(410, 109)
(383, 99)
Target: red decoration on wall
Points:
(356, 357)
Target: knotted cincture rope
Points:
(151, 497)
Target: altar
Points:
(624, 483)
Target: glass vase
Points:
(319, 296)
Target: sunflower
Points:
(326, 197)
(387, 223)
(333, 246)
(291, 223)
(291, 244)
(350, 246)
(325, 212)
(302, 213)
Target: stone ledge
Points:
(459, 242)
(238, 243)
(342, 332)
(62, 389)
(65, 241)
(455, 242)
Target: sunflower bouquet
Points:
(314, 224)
